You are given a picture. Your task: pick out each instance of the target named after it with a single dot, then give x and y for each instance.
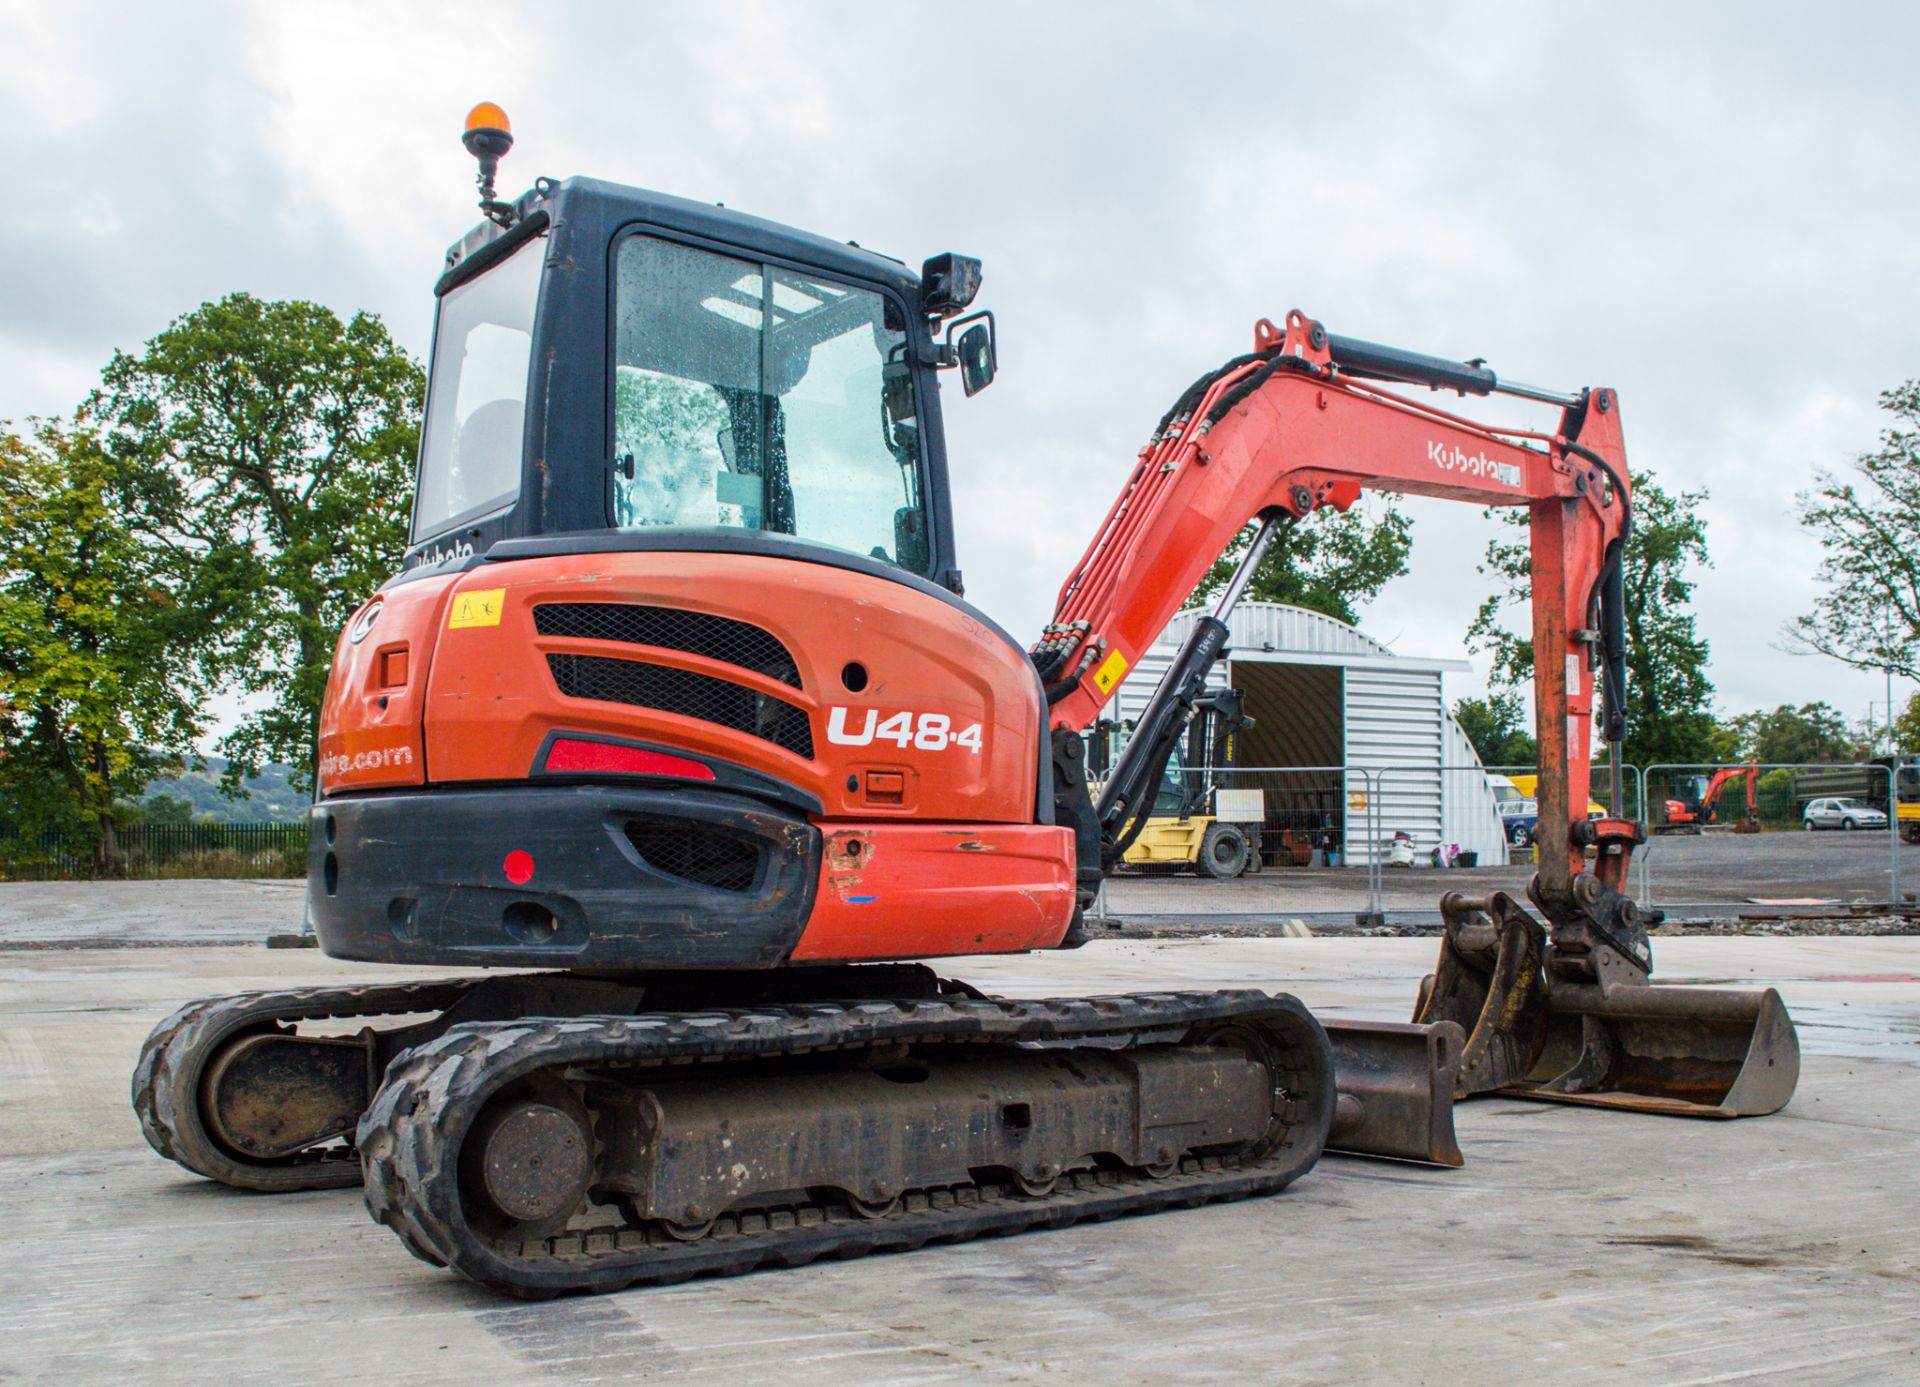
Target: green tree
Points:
(1869, 615)
(1333, 562)
(1732, 736)
(98, 688)
(273, 446)
(1789, 735)
(1495, 725)
(1668, 691)
(1906, 727)
(164, 809)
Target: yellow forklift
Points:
(1198, 823)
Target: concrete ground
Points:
(110, 914)
(1574, 1244)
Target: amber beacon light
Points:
(488, 136)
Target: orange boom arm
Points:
(1301, 423)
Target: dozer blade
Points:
(1396, 1085)
(1592, 1029)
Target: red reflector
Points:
(518, 867)
(569, 754)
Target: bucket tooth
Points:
(1396, 1083)
(1490, 982)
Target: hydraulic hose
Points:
(1613, 608)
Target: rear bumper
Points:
(580, 876)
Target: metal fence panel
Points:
(156, 849)
(1782, 863)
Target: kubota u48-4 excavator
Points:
(677, 704)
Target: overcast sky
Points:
(1710, 207)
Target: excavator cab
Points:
(608, 359)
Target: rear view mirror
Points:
(976, 358)
(977, 352)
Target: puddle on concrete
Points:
(1858, 1030)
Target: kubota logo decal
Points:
(1454, 458)
(925, 731)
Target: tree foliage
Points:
(1668, 691)
(1869, 530)
(1496, 725)
(270, 447)
(1788, 735)
(1906, 727)
(99, 686)
(1333, 562)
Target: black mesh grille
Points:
(697, 633)
(712, 859)
(688, 694)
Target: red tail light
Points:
(572, 755)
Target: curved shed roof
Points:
(1287, 632)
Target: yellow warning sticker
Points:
(1109, 672)
(481, 608)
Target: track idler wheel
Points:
(269, 1095)
(1490, 982)
(528, 1162)
(232, 1088)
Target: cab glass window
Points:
(753, 396)
(476, 398)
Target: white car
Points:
(1842, 813)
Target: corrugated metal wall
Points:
(1394, 727)
(1472, 812)
(1258, 629)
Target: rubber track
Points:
(411, 1135)
(166, 1080)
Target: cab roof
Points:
(582, 200)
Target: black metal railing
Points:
(158, 850)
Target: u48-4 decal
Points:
(925, 731)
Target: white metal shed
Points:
(1323, 693)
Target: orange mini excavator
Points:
(1696, 800)
(677, 708)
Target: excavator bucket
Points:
(1610, 1038)
(1396, 1084)
(1689, 1051)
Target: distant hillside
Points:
(270, 796)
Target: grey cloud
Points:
(1707, 207)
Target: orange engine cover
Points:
(370, 720)
(944, 723)
(915, 727)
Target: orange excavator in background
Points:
(1696, 801)
(678, 708)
